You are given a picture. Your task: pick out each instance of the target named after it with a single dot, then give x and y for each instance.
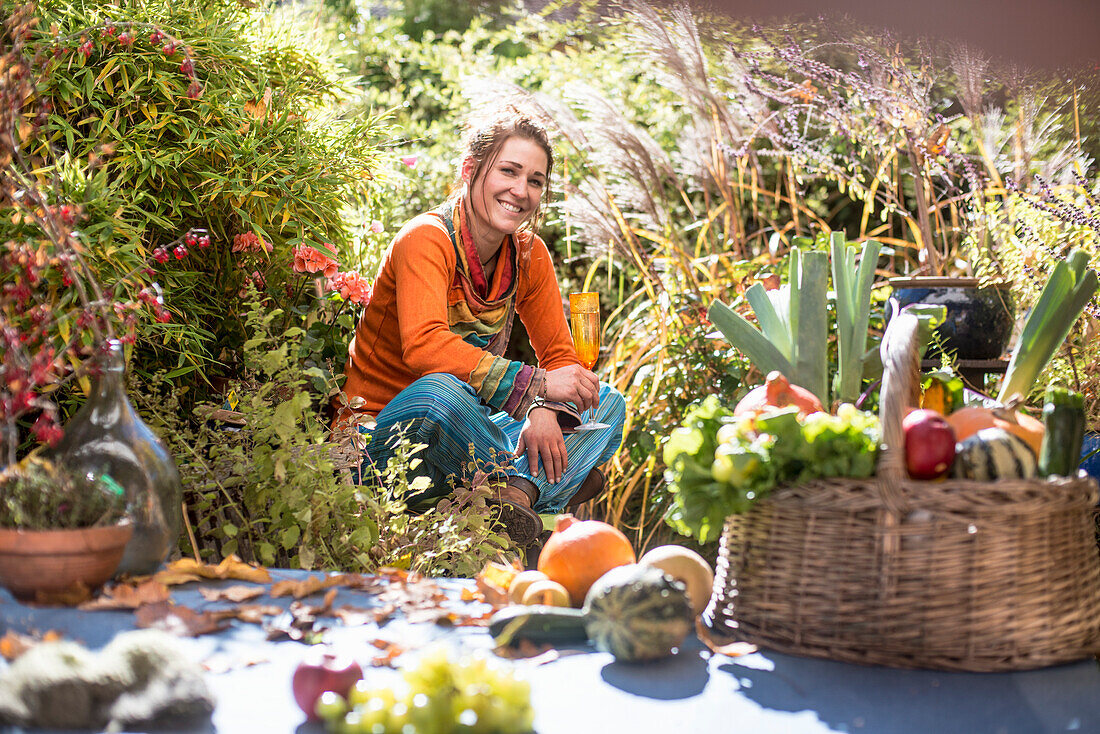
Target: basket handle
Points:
(900, 366)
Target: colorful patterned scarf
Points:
(482, 320)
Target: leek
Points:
(793, 333)
(1070, 287)
(853, 311)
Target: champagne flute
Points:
(584, 318)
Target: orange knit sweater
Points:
(420, 320)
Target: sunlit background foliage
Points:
(692, 149)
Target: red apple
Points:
(323, 669)
(929, 444)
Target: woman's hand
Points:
(573, 384)
(541, 437)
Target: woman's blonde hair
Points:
(485, 138)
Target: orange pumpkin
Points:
(580, 551)
(969, 420)
(778, 392)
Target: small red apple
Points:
(323, 669)
(929, 444)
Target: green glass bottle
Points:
(1064, 419)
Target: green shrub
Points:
(268, 490)
(236, 132)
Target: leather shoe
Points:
(592, 486)
(513, 502)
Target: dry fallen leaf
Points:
(298, 623)
(13, 644)
(178, 620)
(235, 594)
(76, 594)
(231, 567)
(128, 596)
(390, 651)
(298, 589)
(473, 620)
(353, 616)
(253, 613)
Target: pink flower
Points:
(311, 260)
(376, 226)
(352, 287)
(249, 242)
(409, 160)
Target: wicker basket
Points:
(951, 575)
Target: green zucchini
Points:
(539, 624)
(1064, 419)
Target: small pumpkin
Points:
(778, 392)
(969, 420)
(580, 551)
(637, 613)
(687, 566)
(993, 453)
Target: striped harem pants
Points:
(444, 413)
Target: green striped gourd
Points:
(637, 613)
(993, 453)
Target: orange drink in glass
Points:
(584, 318)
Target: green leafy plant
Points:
(719, 464)
(268, 488)
(1069, 289)
(794, 332)
(794, 326)
(199, 114)
(37, 494)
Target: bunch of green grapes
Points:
(472, 695)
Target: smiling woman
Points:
(427, 355)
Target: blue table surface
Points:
(692, 691)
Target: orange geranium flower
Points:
(250, 242)
(352, 286)
(311, 260)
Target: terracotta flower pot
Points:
(53, 561)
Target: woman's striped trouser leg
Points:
(445, 414)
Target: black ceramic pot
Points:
(979, 320)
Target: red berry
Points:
(160, 255)
(187, 66)
(156, 36)
(163, 317)
(194, 90)
(169, 48)
(204, 241)
(126, 39)
(180, 252)
(189, 239)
